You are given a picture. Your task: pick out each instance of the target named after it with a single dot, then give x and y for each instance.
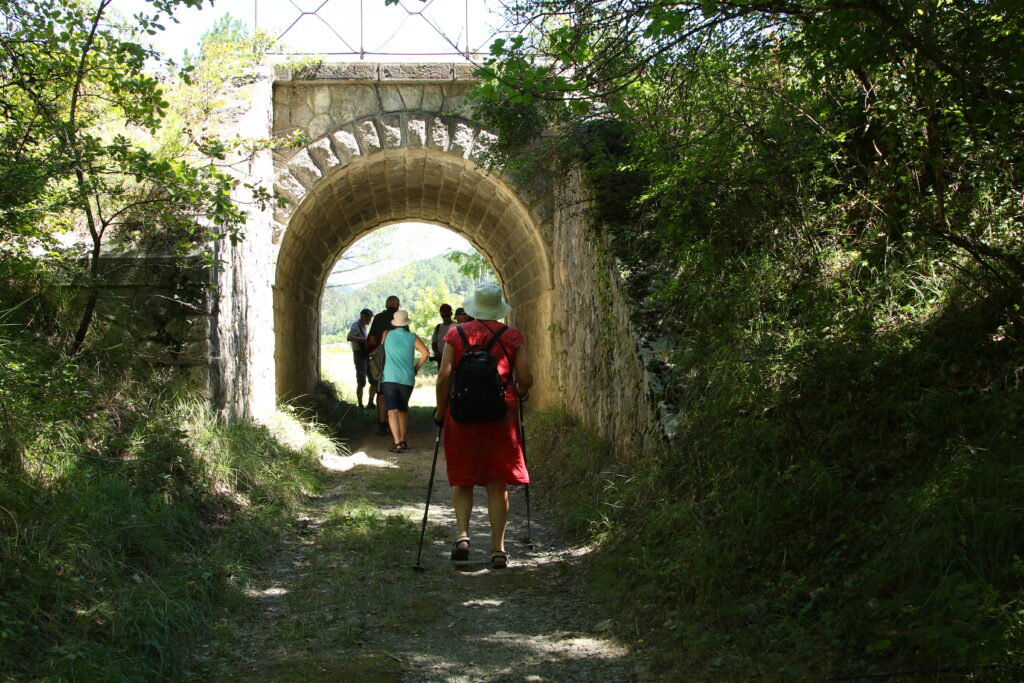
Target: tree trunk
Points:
(90, 303)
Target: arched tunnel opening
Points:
(425, 266)
(414, 185)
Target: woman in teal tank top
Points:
(399, 376)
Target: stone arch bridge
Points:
(392, 143)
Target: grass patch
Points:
(778, 560)
(128, 515)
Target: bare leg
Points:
(395, 422)
(403, 425)
(462, 500)
(381, 412)
(359, 395)
(497, 513)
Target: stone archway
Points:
(407, 166)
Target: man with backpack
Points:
(484, 374)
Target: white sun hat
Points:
(401, 319)
(486, 303)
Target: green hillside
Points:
(422, 286)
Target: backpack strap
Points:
(491, 343)
(497, 334)
(466, 346)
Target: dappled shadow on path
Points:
(340, 600)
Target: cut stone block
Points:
(462, 138)
(346, 145)
(415, 72)
(288, 186)
(368, 137)
(391, 131)
(323, 154)
(390, 99)
(416, 131)
(303, 168)
(440, 138)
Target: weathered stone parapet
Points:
(363, 72)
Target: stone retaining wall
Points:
(601, 377)
(160, 308)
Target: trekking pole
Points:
(522, 439)
(430, 487)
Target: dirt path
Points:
(340, 601)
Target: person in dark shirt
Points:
(440, 330)
(357, 335)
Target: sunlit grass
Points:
(125, 528)
(337, 367)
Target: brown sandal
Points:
(460, 553)
(499, 559)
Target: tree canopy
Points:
(816, 211)
(81, 109)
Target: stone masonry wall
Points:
(242, 366)
(159, 308)
(596, 354)
(320, 100)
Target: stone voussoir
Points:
(482, 143)
(305, 169)
(415, 126)
(462, 134)
(288, 186)
(390, 127)
(346, 144)
(368, 136)
(439, 136)
(322, 153)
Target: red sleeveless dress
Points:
(481, 452)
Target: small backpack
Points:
(478, 394)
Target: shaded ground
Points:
(340, 601)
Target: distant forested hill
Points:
(422, 286)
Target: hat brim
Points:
(489, 313)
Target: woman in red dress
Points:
(486, 454)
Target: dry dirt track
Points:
(340, 601)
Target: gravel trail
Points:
(339, 600)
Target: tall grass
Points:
(831, 502)
(128, 514)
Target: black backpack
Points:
(478, 394)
